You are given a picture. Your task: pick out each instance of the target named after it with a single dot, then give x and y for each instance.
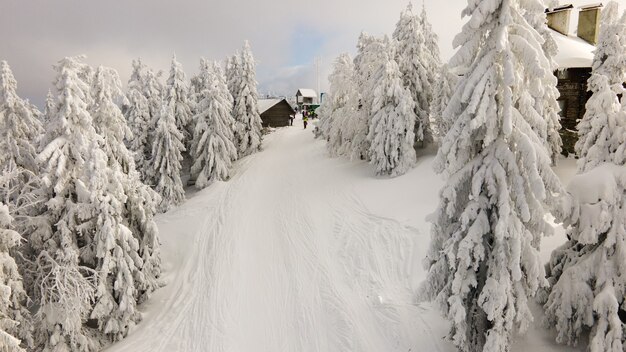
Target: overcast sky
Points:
(285, 36)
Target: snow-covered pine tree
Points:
(177, 96)
(586, 273)
(369, 52)
(246, 109)
(138, 200)
(483, 261)
(12, 299)
(153, 90)
(196, 87)
(418, 68)
(545, 92)
(137, 113)
(441, 96)
(341, 106)
(166, 157)
(433, 62)
(213, 150)
(49, 108)
(391, 130)
(64, 287)
(19, 127)
(113, 251)
(598, 131)
(233, 77)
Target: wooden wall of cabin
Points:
(572, 86)
(277, 115)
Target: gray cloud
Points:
(35, 34)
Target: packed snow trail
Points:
(285, 257)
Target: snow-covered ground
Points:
(300, 252)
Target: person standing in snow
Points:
(291, 117)
(305, 119)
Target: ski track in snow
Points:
(285, 257)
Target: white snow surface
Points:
(301, 252)
(266, 104)
(573, 51)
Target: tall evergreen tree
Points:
(123, 253)
(442, 94)
(177, 96)
(65, 285)
(213, 149)
(153, 90)
(166, 157)
(483, 260)
(233, 77)
(246, 109)
(12, 307)
(19, 127)
(341, 107)
(137, 113)
(49, 108)
(370, 50)
(599, 129)
(418, 69)
(391, 132)
(545, 92)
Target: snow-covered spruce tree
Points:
(113, 251)
(177, 96)
(139, 201)
(233, 78)
(418, 68)
(545, 92)
(15, 333)
(137, 113)
(586, 273)
(196, 86)
(598, 131)
(391, 130)
(446, 81)
(12, 299)
(370, 50)
(49, 108)
(19, 127)
(153, 90)
(432, 60)
(341, 106)
(246, 109)
(64, 286)
(213, 150)
(321, 129)
(483, 261)
(166, 157)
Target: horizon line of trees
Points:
(81, 182)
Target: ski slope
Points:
(299, 253)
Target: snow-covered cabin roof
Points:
(307, 93)
(266, 104)
(573, 51)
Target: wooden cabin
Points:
(574, 60)
(275, 112)
(306, 97)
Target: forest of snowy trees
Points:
(493, 112)
(388, 101)
(81, 183)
